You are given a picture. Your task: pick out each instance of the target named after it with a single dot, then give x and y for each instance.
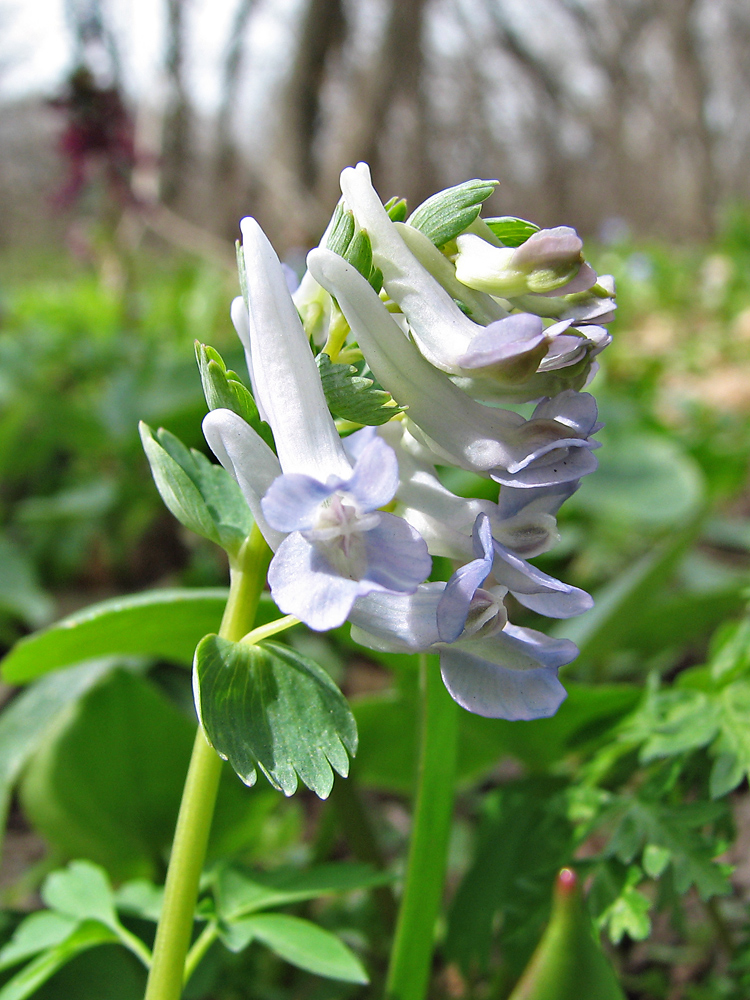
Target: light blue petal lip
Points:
(504, 339)
(292, 500)
(397, 556)
(574, 461)
(375, 478)
(546, 499)
(456, 600)
(538, 590)
(498, 692)
(577, 410)
(304, 585)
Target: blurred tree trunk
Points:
(177, 129)
(228, 167)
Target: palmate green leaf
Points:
(25, 722)
(352, 396)
(447, 213)
(163, 623)
(511, 232)
(24, 984)
(201, 495)
(305, 945)
(732, 748)
(238, 893)
(268, 706)
(629, 913)
(224, 389)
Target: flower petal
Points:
(292, 500)
(537, 590)
(499, 692)
(304, 584)
(375, 478)
(460, 589)
(285, 377)
(399, 623)
(247, 458)
(397, 557)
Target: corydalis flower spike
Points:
(285, 377)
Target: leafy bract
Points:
(268, 706)
(352, 396)
(163, 623)
(201, 495)
(224, 388)
(446, 214)
(511, 232)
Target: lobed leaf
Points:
(353, 397)
(224, 389)
(268, 706)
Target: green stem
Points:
(175, 927)
(200, 946)
(409, 972)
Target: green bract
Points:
(201, 495)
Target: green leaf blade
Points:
(270, 707)
(307, 946)
(353, 397)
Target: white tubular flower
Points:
(542, 451)
(321, 515)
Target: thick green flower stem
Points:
(165, 981)
(411, 958)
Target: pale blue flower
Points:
(340, 545)
(489, 666)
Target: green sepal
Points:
(342, 230)
(352, 396)
(359, 253)
(224, 389)
(268, 707)
(397, 208)
(201, 495)
(448, 213)
(568, 963)
(511, 232)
